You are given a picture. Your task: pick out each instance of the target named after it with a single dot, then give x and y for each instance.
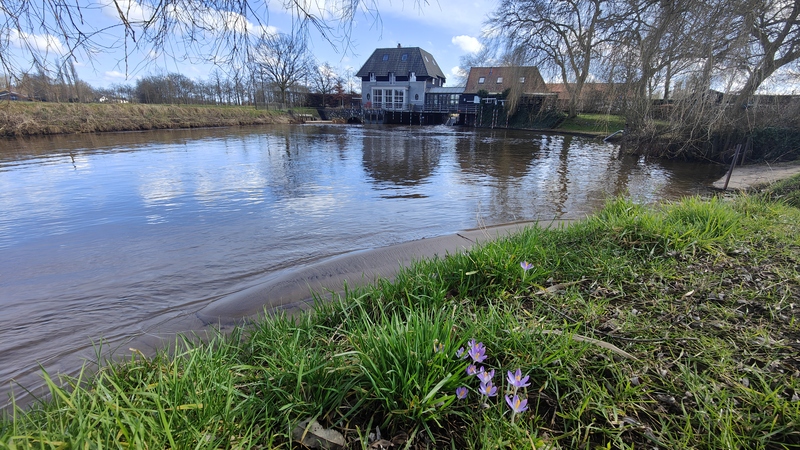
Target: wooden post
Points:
(733, 163)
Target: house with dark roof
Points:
(7, 94)
(397, 79)
(510, 85)
(496, 80)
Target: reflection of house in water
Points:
(501, 155)
(399, 159)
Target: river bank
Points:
(39, 118)
(758, 175)
(672, 326)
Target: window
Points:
(499, 80)
(416, 96)
(481, 80)
(372, 77)
(412, 76)
(521, 80)
(386, 57)
(404, 57)
(377, 94)
(399, 99)
(391, 78)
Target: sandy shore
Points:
(291, 290)
(752, 176)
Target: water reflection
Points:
(405, 156)
(107, 236)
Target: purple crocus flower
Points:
(485, 376)
(461, 392)
(516, 379)
(477, 351)
(472, 369)
(516, 404)
(526, 266)
(461, 353)
(488, 389)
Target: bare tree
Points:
(283, 59)
(773, 27)
(562, 36)
(324, 80)
(221, 31)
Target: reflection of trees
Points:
(38, 146)
(499, 154)
(400, 158)
(499, 161)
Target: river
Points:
(106, 238)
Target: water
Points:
(105, 238)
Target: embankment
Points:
(38, 118)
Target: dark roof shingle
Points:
(401, 61)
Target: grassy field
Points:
(596, 124)
(673, 327)
(36, 118)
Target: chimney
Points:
(398, 45)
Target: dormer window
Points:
(481, 80)
(521, 80)
(386, 57)
(499, 80)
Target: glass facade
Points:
(395, 99)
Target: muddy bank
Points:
(292, 290)
(756, 175)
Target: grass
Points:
(640, 327)
(36, 118)
(595, 124)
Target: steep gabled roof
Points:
(385, 60)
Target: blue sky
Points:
(447, 29)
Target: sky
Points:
(448, 29)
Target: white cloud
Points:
(115, 74)
(37, 42)
(209, 19)
(458, 72)
(132, 11)
(466, 43)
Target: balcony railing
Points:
(467, 108)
